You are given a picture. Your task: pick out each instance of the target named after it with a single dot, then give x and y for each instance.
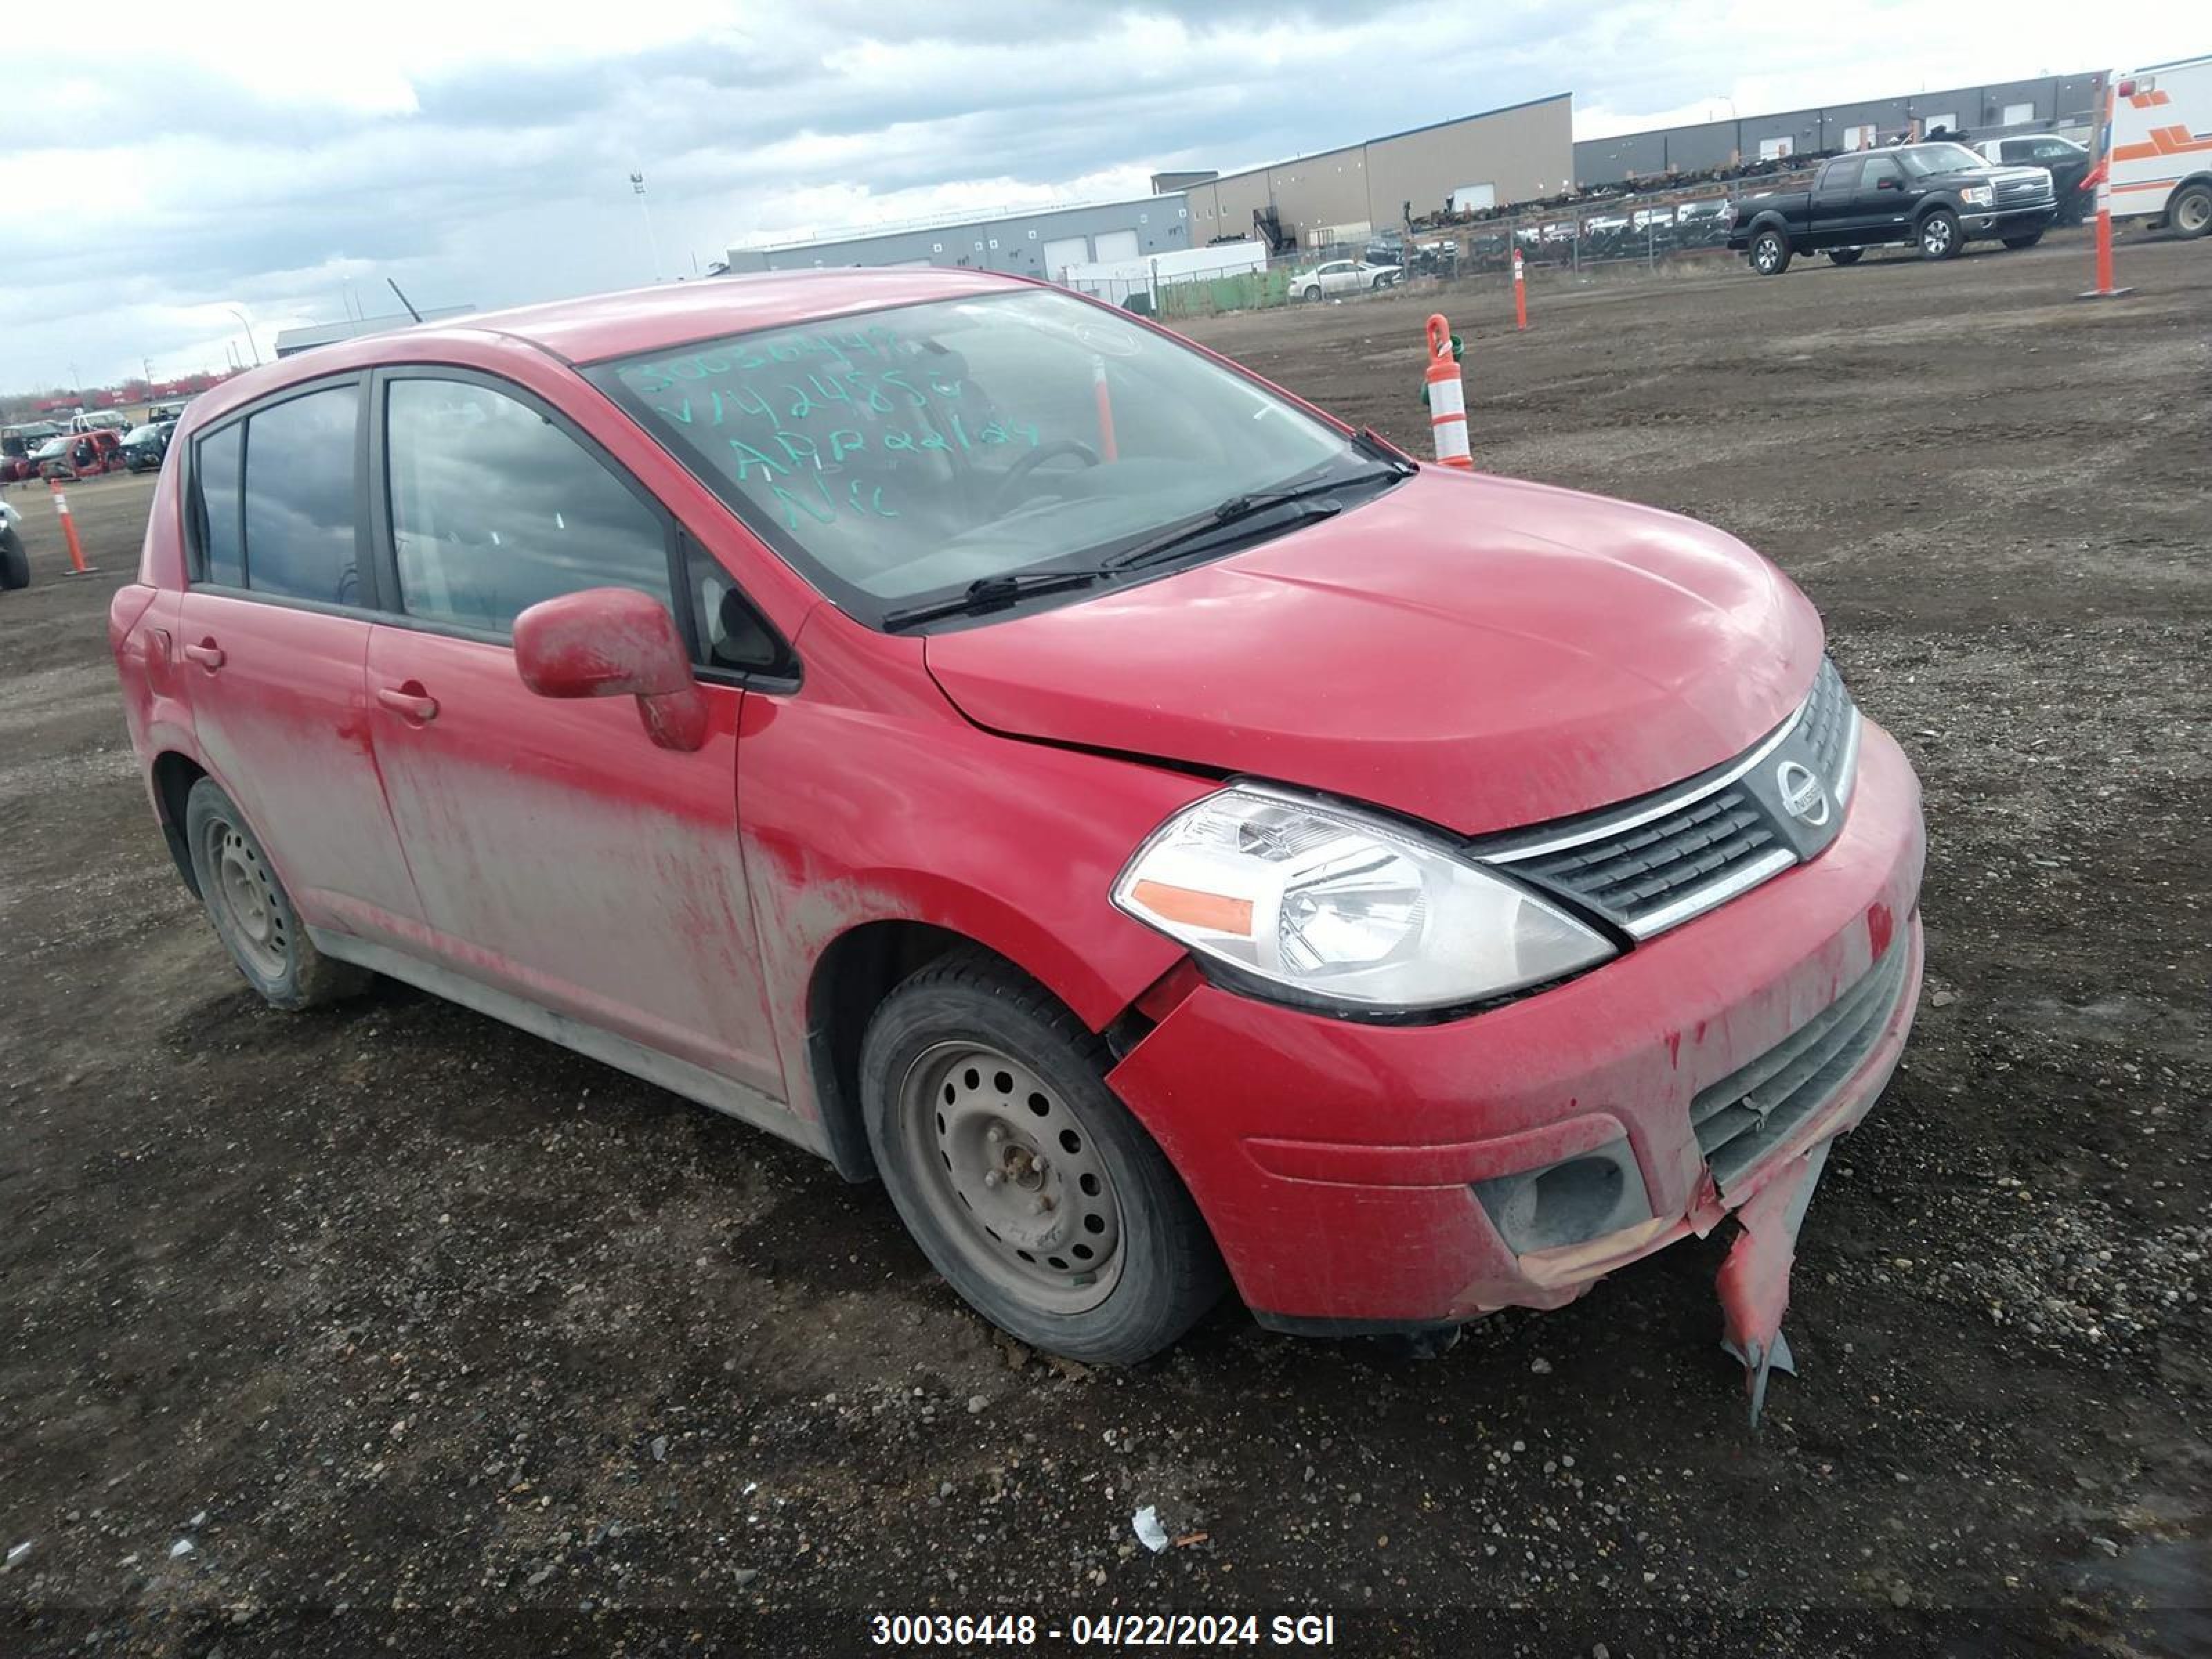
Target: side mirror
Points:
(614, 643)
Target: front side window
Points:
(300, 497)
(1923, 159)
(1879, 169)
(494, 508)
(900, 456)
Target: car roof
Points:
(595, 327)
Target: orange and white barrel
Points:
(1447, 399)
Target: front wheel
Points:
(1846, 256)
(2027, 239)
(252, 911)
(2189, 213)
(1025, 1181)
(15, 562)
(1939, 234)
(1770, 253)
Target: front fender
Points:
(851, 817)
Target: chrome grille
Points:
(1630, 872)
(1648, 865)
(1751, 1112)
(2018, 192)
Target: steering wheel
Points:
(1031, 462)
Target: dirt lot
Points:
(397, 1311)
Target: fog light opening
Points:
(1569, 1202)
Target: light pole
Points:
(637, 188)
(247, 323)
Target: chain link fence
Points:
(1652, 228)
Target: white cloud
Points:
(267, 154)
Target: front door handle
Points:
(410, 702)
(207, 654)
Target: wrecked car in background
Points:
(973, 734)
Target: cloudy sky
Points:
(202, 160)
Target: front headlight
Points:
(1335, 904)
(1979, 195)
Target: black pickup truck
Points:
(1938, 196)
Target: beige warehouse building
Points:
(1520, 153)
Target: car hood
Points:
(1993, 173)
(1475, 652)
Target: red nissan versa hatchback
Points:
(984, 738)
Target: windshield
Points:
(900, 456)
(1921, 160)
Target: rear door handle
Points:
(410, 702)
(207, 654)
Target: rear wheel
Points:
(1770, 253)
(2189, 212)
(15, 562)
(1025, 1181)
(1939, 234)
(2027, 239)
(1846, 256)
(252, 911)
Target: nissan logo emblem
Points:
(1804, 795)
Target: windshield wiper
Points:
(1370, 442)
(990, 593)
(995, 592)
(1239, 508)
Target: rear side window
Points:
(214, 501)
(300, 540)
(494, 508)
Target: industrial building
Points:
(1523, 152)
(291, 341)
(2062, 103)
(1499, 156)
(1042, 243)
(1518, 154)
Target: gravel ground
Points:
(392, 1329)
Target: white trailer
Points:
(2158, 145)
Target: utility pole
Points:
(637, 188)
(247, 323)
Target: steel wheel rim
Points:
(2196, 211)
(1012, 1175)
(245, 890)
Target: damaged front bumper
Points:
(1366, 1178)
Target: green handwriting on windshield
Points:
(782, 452)
(804, 395)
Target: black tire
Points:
(253, 914)
(14, 561)
(1768, 252)
(2189, 212)
(1938, 235)
(1165, 1270)
(1846, 256)
(2028, 239)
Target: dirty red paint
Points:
(1881, 926)
(679, 884)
